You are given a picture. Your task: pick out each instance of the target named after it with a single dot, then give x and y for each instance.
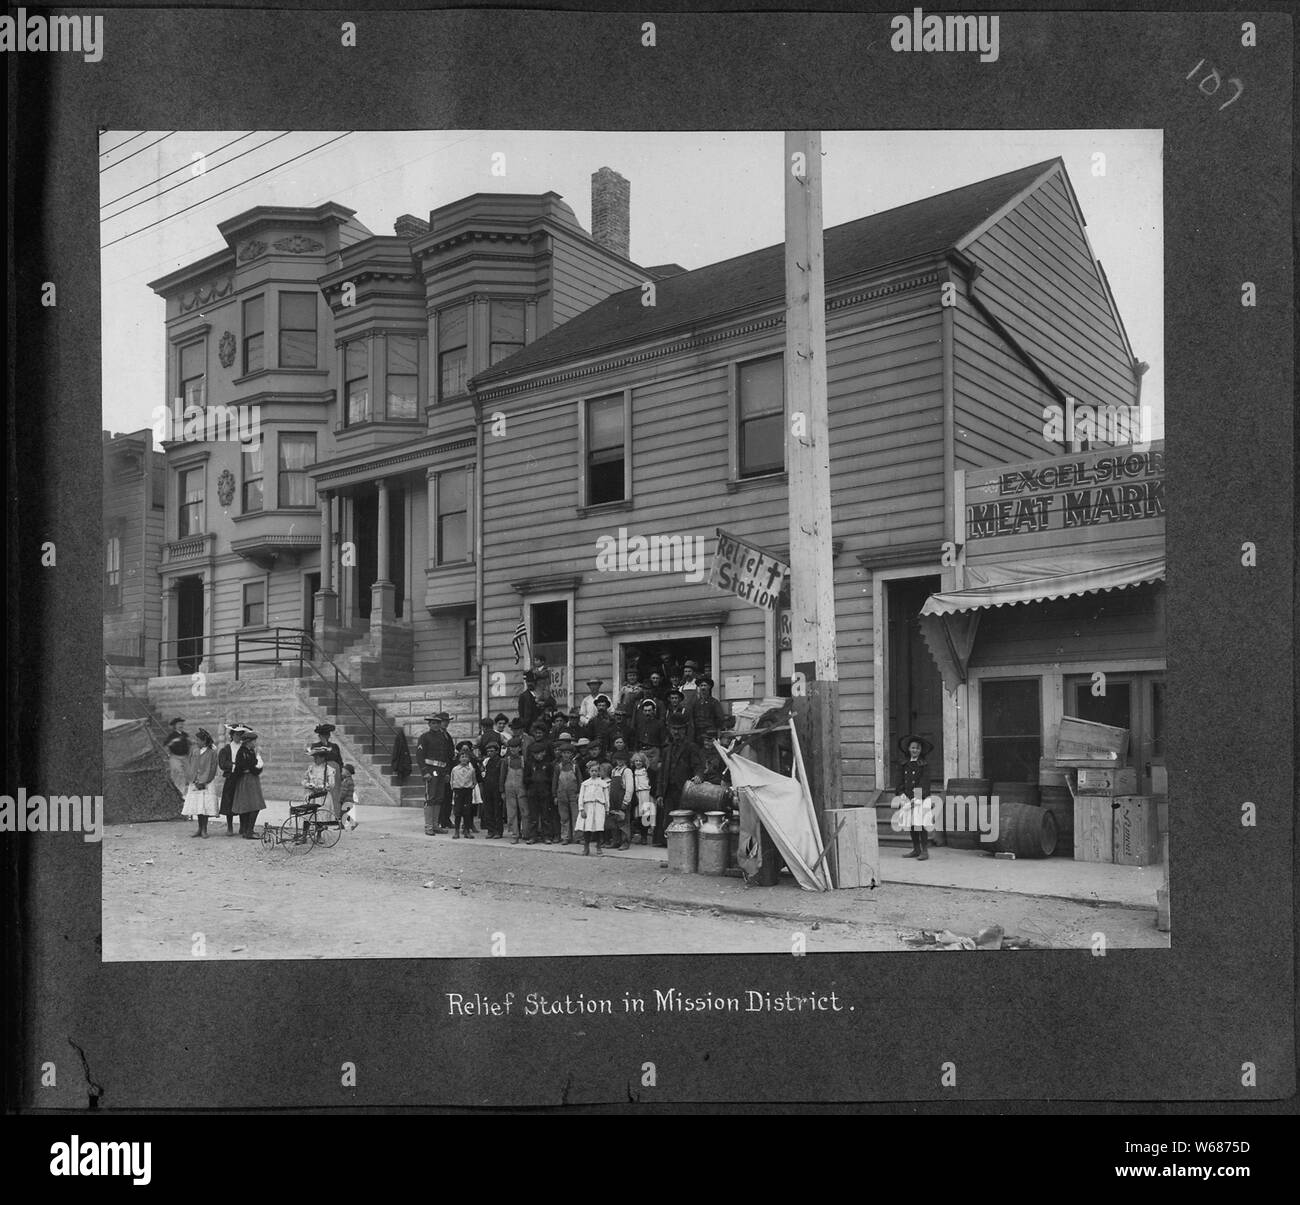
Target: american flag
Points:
(520, 637)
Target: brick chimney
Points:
(611, 197)
(409, 226)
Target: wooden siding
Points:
(886, 405)
(581, 276)
(439, 654)
(1041, 281)
(998, 400)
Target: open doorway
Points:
(915, 702)
(189, 624)
(666, 654)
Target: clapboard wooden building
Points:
(953, 325)
(493, 415)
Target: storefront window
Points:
(1114, 707)
(1012, 727)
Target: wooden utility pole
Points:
(808, 464)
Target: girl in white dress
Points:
(202, 795)
(593, 799)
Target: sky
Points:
(696, 198)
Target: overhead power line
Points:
(121, 144)
(145, 200)
(133, 154)
(183, 166)
(224, 191)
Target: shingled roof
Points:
(691, 299)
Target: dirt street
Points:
(388, 891)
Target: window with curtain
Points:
(453, 351)
(356, 372)
(254, 604)
(113, 572)
(507, 330)
(193, 369)
(190, 495)
(252, 459)
(606, 474)
(254, 334)
(297, 455)
(403, 377)
(453, 517)
(297, 330)
(760, 421)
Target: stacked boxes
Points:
(1137, 830)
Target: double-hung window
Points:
(453, 516)
(507, 330)
(254, 604)
(252, 459)
(760, 417)
(113, 572)
(190, 494)
(297, 455)
(297, 330)
(254, 334)
(403, 377)
(193, 370)
(605, 441)
(356, 374)
(453, 351)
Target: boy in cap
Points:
(629, 698)
(464, 778)
(513, 792)
(537, 785)
(564, 788)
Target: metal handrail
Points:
(152, 720)
(358, 705)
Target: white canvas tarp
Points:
(785, 808)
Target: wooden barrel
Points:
(1059, 802)
(1025, 830)
(1017, 792)
(981, 788)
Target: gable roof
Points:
(682, 302)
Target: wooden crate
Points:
(1094, 832)
(854, 851)
(1121, 780)
(1082, 742)
(1137, 830)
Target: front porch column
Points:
(326, 613)
(382, 593)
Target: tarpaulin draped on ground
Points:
(137, 785)
(784, 807)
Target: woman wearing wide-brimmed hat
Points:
(912, 800)
(242, 793)
(322, 777)
(202, 795)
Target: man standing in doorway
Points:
(177, 744)
(434, 752)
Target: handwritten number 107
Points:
(1218, 83)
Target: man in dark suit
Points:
(682, 762)
(530, 702)
(434, 753)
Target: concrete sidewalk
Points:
(641, 873)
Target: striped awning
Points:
(950, 620)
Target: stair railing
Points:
(156, 729)
(347, 698)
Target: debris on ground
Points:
(431, 883)
(816, 924)
(991, 937)
(1005, 855)
(586, 903)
